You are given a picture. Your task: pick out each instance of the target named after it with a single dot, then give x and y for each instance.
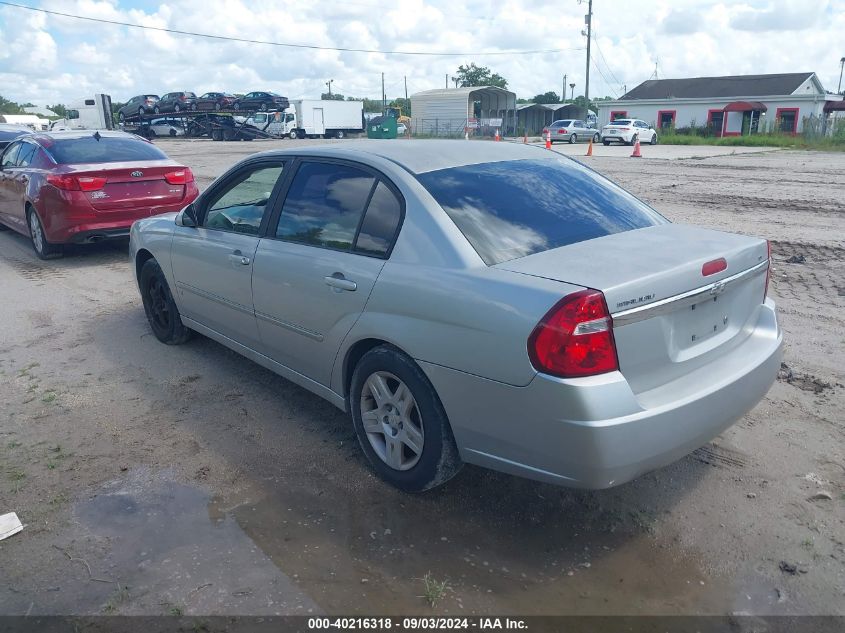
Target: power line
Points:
(604, 60)
(283, 44)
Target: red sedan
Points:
(84, 187)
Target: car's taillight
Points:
(561, 131)
(769, 269)
(575, 338)
(179, 177)
(714, 266)
(76, 183)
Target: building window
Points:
(715, 122)
(665, 119)
(786, 120)
(618, 114)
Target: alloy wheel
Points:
(36, 232)
(392, 421)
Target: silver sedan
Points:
(571, 131)
(468, 302)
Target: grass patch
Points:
(11, 445)
(25, 370)
(16, 475)
(787, 141)
(118, 598)
(433, 589)
(48, 397)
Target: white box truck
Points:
(87, 113)
(332, 119)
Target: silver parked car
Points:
(571, 131)
(488, 303)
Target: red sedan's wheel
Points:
(42, 248)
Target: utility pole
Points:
(447, 81)
(589, 21)
(563, 92)
(841, 66)
(406, 87)
(383, 97)
(329, 84)
(572, 94)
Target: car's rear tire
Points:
(237, 106)
(217, 106)
(151, 133)
(654, 139)
(43, 249)
(406, 435)
(634, 139)
(157, 110)
(176, 108)
(596, 137)
(573, 138)
(606, 142)
(159, 306)
(339, 134)
(121, 117)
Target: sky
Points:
(48, 59)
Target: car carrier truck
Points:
(87, 113)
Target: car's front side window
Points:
(241, 206)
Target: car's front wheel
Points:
(159, 306)
(596, 137)
(42, 248)
(573, 138)
(400, 422)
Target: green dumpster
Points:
(381, 127)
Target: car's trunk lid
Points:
(131, 186)
(668, 316)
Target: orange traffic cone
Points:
(548, 139)
(497, 137)
(590, 148)
(637, 153)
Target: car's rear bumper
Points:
(595, 432)
(617, 137)
(74, 228)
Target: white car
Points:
(165, 127)
(628, 131)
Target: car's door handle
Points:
(239, 258)
(339, 282)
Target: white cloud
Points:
(48, 58)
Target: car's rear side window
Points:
(108, 149)
(324, 205)
(380, 223)
(511, 209)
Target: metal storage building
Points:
(730, 106)
(533, 117)
(449, 112)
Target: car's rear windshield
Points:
(511, 209)
(562, 123)
(620, 122)
(109, 149)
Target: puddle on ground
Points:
(294, 550)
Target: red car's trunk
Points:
(151, 184)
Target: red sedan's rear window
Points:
(108, 149)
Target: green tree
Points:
(9, 107)
(370, 105)
(59, 109)
(402, 104)
(546, 97)
(334, 96)
(472, 75)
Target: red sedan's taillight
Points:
(76, 183)
(180, 177)
(575, 338)
(768, 270)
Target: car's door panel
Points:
(313, 275)
(213, 263)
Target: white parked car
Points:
(628, 131)
(166, 127)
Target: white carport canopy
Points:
(448, 112)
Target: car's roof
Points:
(424, 155)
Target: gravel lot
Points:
(159, 480)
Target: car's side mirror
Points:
(188, 217)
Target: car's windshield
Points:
(511, 209)
(620, 122)
(108, 149)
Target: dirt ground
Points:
(170, 480)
